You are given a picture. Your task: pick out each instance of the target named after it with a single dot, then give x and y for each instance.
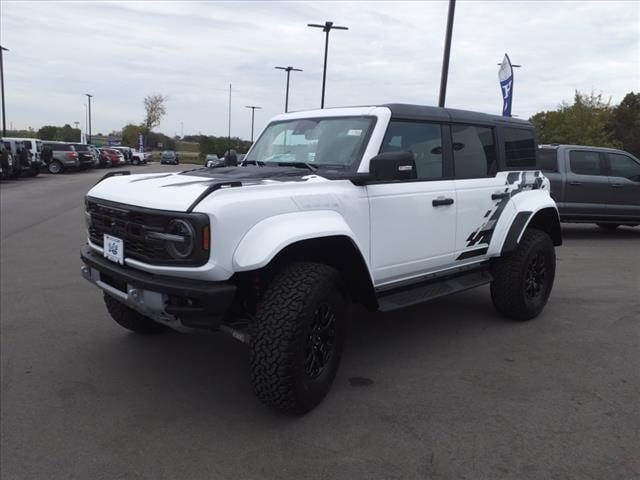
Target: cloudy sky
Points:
(122, 51)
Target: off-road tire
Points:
(130, 319)
(283, 336)
(509, 289)
(609, 227)
(55, 167)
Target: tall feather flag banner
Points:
(505, 74)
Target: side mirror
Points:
(391, 166)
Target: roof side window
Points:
(584, 162)
(423, 140)
(519, 148)
(474, 151)
(548, 160)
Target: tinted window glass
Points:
(80, 147)
(585, 163)
(27, 144)
(423, 140)
(624, 166)
(474, 151)
(548, 159)
(519, 147)
(59, 146)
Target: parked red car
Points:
(116, 157)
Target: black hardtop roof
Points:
(438, 114)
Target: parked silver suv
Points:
(59, 156)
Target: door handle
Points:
(617, 185)
(500, 196)
(575, 183)
(440, 202)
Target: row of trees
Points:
(62, 134)
(591, 120)
(218, 145)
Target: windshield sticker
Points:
(355, 132)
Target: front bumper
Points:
(175, 302)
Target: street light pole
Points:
(447, 52)
(89, 132)
(253, 111)
(229, 132)
(286, 98)
(327, 27)
(4, 105)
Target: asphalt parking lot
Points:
(445, 390)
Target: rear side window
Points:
(519, 148)
(59, 146)
(624, 166)
(584, 162)
(27, 144)
(548, 159)
(423, 140)
(474, 151)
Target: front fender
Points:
(268, 237)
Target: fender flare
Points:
(270, 236)
(527, 208)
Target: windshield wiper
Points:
(310, 166)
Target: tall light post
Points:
(229, 132)
(89, 96)
(446, 54)
(4, 105)
(327, 27)
(286, 98)
(253, 111)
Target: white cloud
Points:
(122, 51)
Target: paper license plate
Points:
(114, 249)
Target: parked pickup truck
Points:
(592, 184)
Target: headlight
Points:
(180, 240)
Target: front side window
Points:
(474, 151)
(548, 160)
(27, 144)
(584, 162)
(423, 140)
(337, 142)
(519, 148)
(624, 166)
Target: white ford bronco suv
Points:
(388, 206)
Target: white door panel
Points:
(408, 234)
(475, 211)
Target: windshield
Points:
(335, 142)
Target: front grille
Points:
(133, 224)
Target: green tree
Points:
(48, 132)
(585, 122)
(130, 135)
(625, 123)
(155, 109)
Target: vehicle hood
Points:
(179, 191)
